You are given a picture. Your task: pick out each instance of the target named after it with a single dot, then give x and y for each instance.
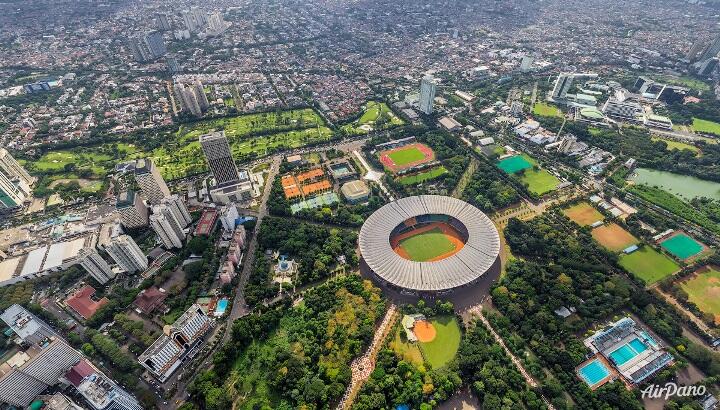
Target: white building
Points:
(165, 355)
(168, 226)
(428, 88)
(150, 181)
(96, 266)
(15, 182)
(127, 254)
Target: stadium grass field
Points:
(427, 246)
(583, 214)
(613, 237)
(705, 126)
(423, 176)
(442, 350)
(703, 290)
(540, 182)
(648, 264)
(682, 246)
(515, 163)
(546, 110)
(403, 157)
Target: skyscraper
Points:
(712, 50)
(167, 227)
(12, 169)
(192, 97)
(132, 210)
(127, 254)
(428, 87)
(526, 63)
(178, 209)
(162, 22)
(216, 24)
(150, 181)
(96, 266)
(564, 83)
(695, 49)
(11, 193)
(195, 19)
(147, 46)
(219, 157)
(707, 67)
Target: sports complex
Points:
(428, 244)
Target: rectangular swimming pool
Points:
(594, 372)
(628, 351)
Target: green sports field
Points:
(709, 127)
(583, 214)
(648, 264)
(546, 110)
(540, 182)
(406, 156)
(427, 245)
(515, 164)
(682, 246)
(422, 176)
(443, 349)
(703, 290)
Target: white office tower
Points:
(150, 181)
(195, 19)
(178, 209)
(712, 50)
(43, 358)
(219, 157)
(127, 254)
(13, 170)
(147, 46)
(428, 87)
(564, 83)
(216, 24)
(132, 210)
(192, 98)
(167, 226)
(96, 266)
(526, 64)
(200, 96)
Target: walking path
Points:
(373, 175)
(477, 311)
(364, 365)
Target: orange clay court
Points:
(613, 237)
(583, 214)
(428, 243)
(424, 331)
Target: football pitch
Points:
(406, 156)
(613, 237)
(648, 264)
(703, 290)
(583, 214)
(444, 347)
(682, 246)
(514, 164)
(427, 245)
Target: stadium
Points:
(429, 244)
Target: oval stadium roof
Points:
(468, 264)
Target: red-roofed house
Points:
(79, 372)
(83, 303)
(149, 299)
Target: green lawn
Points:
(648, 264)
(373, 111)
(516, 163)
(704, 291)
(406, 156)
(677, 145)
(410, 352)
(682, 246)
(583, 214)
(427, 245)
(546, 110)
(540, 182)
(443, 349)
(422, 176)
(709, 127)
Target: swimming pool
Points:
(594, 372)
(221, 307)
(649, 339)
(628, 351)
